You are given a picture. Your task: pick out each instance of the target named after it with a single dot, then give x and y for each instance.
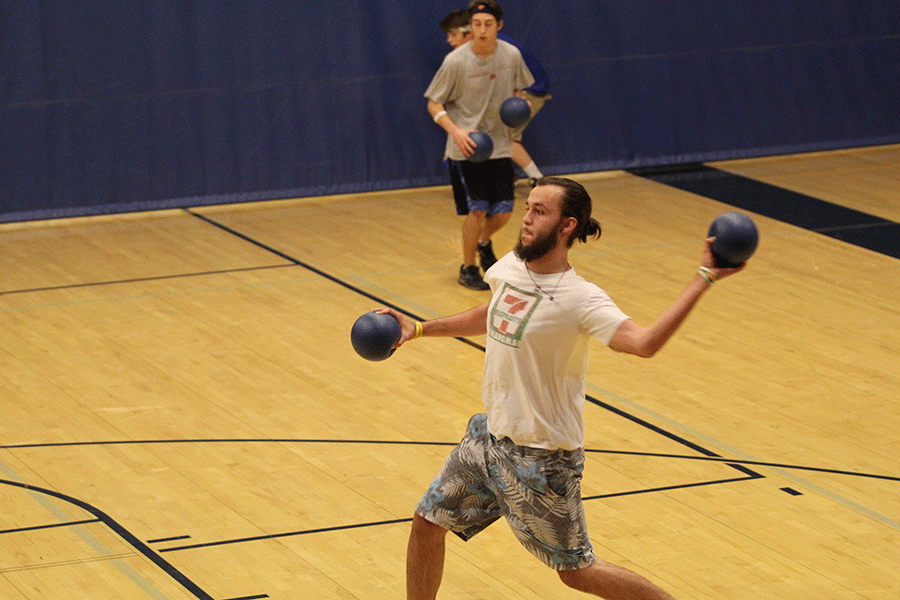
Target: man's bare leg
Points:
(471, 230)
(424, 559)
(612, 582)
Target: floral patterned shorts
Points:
(537, 490)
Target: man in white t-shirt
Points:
(524, 457)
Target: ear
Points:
(499, 25)
(568, 225)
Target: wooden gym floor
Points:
(183, 415)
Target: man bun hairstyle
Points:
(575, 202)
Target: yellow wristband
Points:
(438, 116)
(420, 331)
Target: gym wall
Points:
(134, 104)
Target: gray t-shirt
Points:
(472, 90)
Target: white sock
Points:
(532, 171)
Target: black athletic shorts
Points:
(487, 186)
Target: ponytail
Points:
(575, 202)
(592, 230)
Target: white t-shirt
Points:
(472, 90)
(537, 352)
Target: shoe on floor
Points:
(486, 255)
(470, 277)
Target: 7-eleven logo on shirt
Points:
(510, 314)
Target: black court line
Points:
(317, 271)
(221, 441)
(736, 464)
(681, 486)
(756, 463)
(273, 536)
(171, 571)
(707, 457)
(199, 593)
(826, 218)
(750, 476)
(654, 428)
(123, 533)
(174, 538)
(51, 526)
(73, 286)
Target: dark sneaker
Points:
(486, 255)
(470, 277)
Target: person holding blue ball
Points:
(459, 31)
(464, 96)
(522, 459)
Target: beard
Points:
(539, 246)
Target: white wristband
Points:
(438, 116)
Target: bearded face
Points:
(540, 244)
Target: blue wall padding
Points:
(133, 105)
